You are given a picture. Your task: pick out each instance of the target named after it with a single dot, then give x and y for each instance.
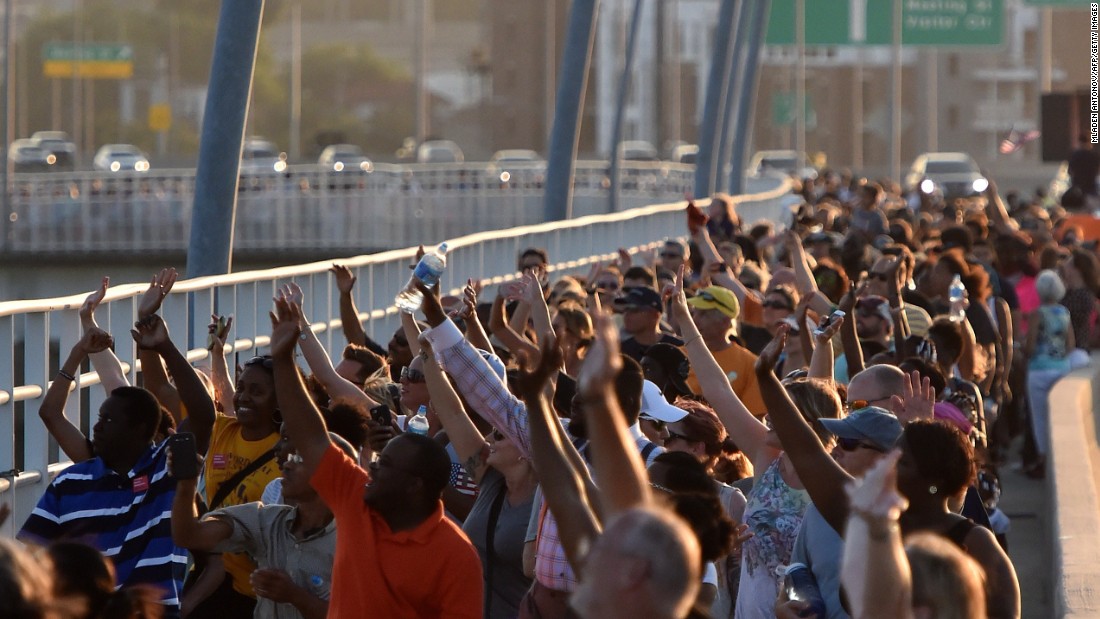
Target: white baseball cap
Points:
(655, 406)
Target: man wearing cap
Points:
(641, 309)
(656, 414)
(714, 310)
(862, 438)
(881, 282)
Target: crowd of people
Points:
(802, 419)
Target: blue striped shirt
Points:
(127, 517)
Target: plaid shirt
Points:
(488, 395)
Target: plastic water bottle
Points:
(428, 271)
(418, 424)
(801, 586)
(956, 295)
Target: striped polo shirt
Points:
(127, 517)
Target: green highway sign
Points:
(90, 60)
(1067, 4)
(929, 23)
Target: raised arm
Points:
(616, 463)
(470, 446)
(104, 362)
(337, 386)
(349, 314)
(69, 438)
(534, 299)
(498, 324)
(152, 333)
(745, 429)
(475, 331)
(803, 274)
(187, 530)
(874, 570)
(822, 477)
(300, 415)
(849, 339)
(821, 363)
(152, 372)
(697, 227)
(224, 389)
(560, 482)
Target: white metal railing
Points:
(307, 208)
(36, 334)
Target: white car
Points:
(345, 158)
(785, 162)
(515, 164)
(120, 158)
(638, 150)
(439, 151)
(955, 175)
(260, 156)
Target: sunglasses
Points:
(673, 436)
(708, 297)
(852, 444)
(667, 254)
(657, 424)
(266, 363)
(779, 305)
(411, 375)
(607, 286)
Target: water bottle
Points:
(800, 585)
(418, 424)
(428, 271)
(956, 295)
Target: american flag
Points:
(461, 481)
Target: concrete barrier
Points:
(1072, 493)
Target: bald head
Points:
(876, 384)
(646, 558)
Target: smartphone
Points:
(828, 321)
(185, 457)
(381, 415)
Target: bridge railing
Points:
(35, 335)
(308, 208)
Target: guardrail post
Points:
(747, 93)
(712, 105)
(211, 247)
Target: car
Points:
(638, 150)
(439, 151)
(120, 158)
(516, 165)
(59, 145)
(684, 153)
(260, 156)
(954, 175)
(345, 158)
(785, 162)
(27, 156)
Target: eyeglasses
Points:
(852, 444)
(266, 363)
(607, 286)
(779, 305)
(661, 488)
(710, 298)
(657, 423)
(412, 376)
(855, 405)
(384, 462)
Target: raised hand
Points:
(855, 293)
(150, 332)
(769, 357)
(602, 363)
(531, 289)
(696, 218)
(513, 291)
(828, 332)
(95, 340)
(92, 301)
(876, 495)
(292, 292)
(159, 288)
(218, 331)
(469, 300)
(917, 399)
(345, 279)
(624, 261)
(285, 327)
(532, 379)
(432, 308)
(674, 293)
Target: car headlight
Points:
(115, 166)
(280, 166)
(980, 184)
(51, 159)
(338, 166)
(141, 166)
(927, 186)
(366, 166)
(505, 176)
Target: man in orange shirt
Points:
(397, 555)
(714, 309)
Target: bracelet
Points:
(879, 528)
(698, 336)
(65, 375)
